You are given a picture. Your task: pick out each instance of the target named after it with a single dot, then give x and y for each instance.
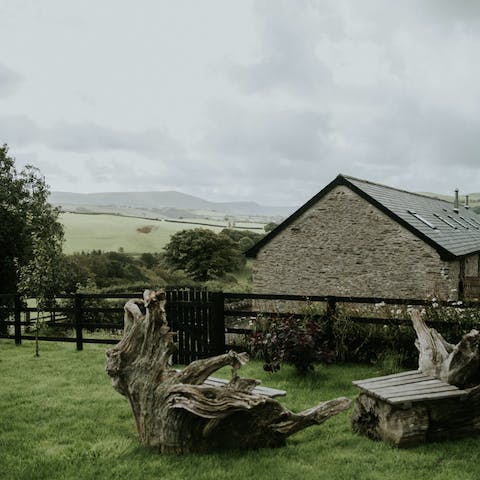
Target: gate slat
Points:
(190, 314)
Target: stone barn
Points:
(359, 238)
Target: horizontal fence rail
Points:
(196, 316)
(331, 303)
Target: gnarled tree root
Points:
(175, 412)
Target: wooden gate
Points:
(196, 316)
(471, 288)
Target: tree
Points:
(41, 276)
(237, 235)
(270, 226)
(107, 269)
(245, 243)
(30, 235)
(203, 254)
(149, 260)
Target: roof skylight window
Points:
(423, 220)
(475, 220)
(466, 220)
(445, 221)
(456, 221)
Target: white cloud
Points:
(18, 130)
(265, 100)
(9, 81)
(87, 137)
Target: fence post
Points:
(331, 309)
(217, 324)
(17, 318)
(78, 321)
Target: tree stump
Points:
(175, 412)
(440, 401)
(457, 365)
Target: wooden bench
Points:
(409, 408)
(259, 389)
(406, 388)
(265, 391)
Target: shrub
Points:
(452, 321)
(300, 342)
(370, 343)
(379, 343)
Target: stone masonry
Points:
(343, 245)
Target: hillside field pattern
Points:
(85, 232)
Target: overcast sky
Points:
(263, 100)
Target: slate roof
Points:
(433, 220)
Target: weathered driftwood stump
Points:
(175, 413)
(439, 401)
(457, 365)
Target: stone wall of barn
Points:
(343, 245)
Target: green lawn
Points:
(61, 419)
(111, 232)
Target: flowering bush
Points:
(300, 342)
(380, 334)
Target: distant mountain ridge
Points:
(166, 202)
(473, 198)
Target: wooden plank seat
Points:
(259, 389)
(410, 408)
(408, 387)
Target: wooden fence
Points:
(196, 315)
(332, 302)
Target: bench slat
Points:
(431, 396)
(405, 391)
(266, 391)
(414, 385)
(408, 387)
(415, 388)
(388, 377)
(394, 381)
(261, 390)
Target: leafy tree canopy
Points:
(245, 243)
(203, 254)
(30, 235)
(99, 269)
(237, 235)
(270, 226)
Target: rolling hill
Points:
(473, 198)
(168, 204)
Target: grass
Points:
(112, 232)
(244, 275)
(61, 419)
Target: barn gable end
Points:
(346, 242)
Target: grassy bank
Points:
(61, 419)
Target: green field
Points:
(112, 232)
(61, 419)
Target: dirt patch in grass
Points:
(145, 229)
